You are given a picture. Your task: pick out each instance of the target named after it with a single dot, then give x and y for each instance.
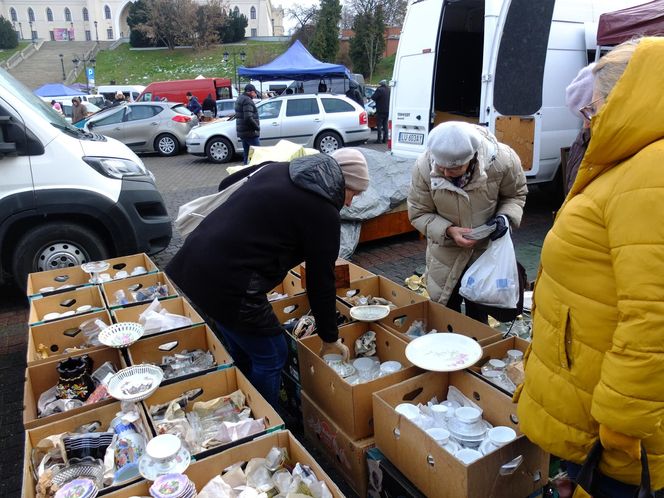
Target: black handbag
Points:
(589, 475)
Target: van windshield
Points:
(21, 92)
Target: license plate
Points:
(411, 138)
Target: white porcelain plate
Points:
(121, 335)
(443, 352)
(135, 383)
(369, 313)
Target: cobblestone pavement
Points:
(181, 179)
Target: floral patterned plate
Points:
(443, 352)
(121, 335)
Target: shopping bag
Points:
(493, 278)
(192, 213)
(589, 475)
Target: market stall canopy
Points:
(295, 64)
(55, 90)
(622, 25)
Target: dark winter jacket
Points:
(247, 123)
(210, 105)
(354, 93)
(194, 105)
(382, 99)
(285, 214)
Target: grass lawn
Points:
(383, 70)
(140, 67)
(7, 53)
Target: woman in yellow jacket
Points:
(596, 365)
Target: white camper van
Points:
(67, 196)
(501, 63)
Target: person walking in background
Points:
(285, 214)
(78, 110)
(577, 95)
(465, 178)
(56, 105)
(209, 104)
(119, 98)
(193, 104)
(596, 368)
(354, 93)
(247, 124)
(382, 99)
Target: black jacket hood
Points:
(320, 174)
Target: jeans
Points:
(246, 143)
(608, 487)
(260, 358)
(472, 310)
(381, 126)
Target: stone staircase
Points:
(44, 65)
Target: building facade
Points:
(106, 20)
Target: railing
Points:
(18, 57)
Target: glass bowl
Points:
(89, 468)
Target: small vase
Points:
(75, 381)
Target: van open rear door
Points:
(412, 94)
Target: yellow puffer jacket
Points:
(597, 355)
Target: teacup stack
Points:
(173, 486)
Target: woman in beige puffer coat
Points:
(464, 179)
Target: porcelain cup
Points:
(440, 414)
(468, 456)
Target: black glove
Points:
(502, 226)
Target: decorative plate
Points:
(169, 485)
(78, 488)
(443, 352)
(121, 335)
(151, 469)
(370, 312)
(135, 383)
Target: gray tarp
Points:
(389, 181)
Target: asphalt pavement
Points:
(181, 179)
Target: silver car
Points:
(146, 126)
(326, 122)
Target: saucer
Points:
(443, 352)
(171, 485)
(370, 312)
(151, 469)
(78, 488)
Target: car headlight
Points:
(114, 167)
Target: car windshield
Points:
(21, 92)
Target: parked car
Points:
(146, 126)
(225, 107)
(326, 122)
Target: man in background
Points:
(247, 124)
(382, 99)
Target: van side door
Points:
(17, 143)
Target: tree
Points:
(305, 17)
(395, 11)
(233, 27)
(210, 20)
(137, 16)
(368, 43)
(170, 22)
(325, 44)
(8, 38)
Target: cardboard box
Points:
(345, 272)
(142, 281)
(43, 376)
(439, 317)
(290, 286)
(296, 307)
(76, 277)
(104, 415)
(176, 306)
(350, 405)
(202, 471)
(195, 337)
(63, 302)
(498, 350)
(52, 335)
(381, 287)
(345, 454)
(431, 468)
(214, 385)
(385, 480)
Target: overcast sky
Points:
(287, 4)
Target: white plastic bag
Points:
(493, 279)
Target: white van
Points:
(67, 196)
(131, 92)
(501, 63)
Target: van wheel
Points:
(167, 145)
(328, 141)
(55, 245)
(219, 150)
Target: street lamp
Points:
(20, 28)
(235, 74)
(32, 33)
(92, 62)
(62, 63)
(71, 31)
(96, 32)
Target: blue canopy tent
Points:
(295, 64)
(55, 90)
